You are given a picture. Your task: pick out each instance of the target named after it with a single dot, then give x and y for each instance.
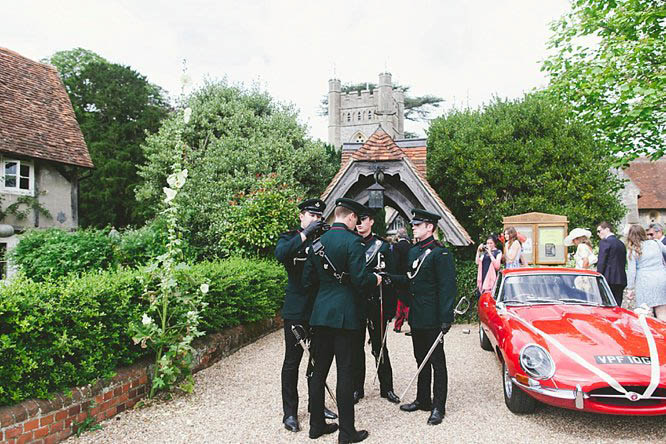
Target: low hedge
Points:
(71, 331)
(53, 253)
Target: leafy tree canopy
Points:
(235, 139)
(609, 65)
(513, 157)
(416, 108)
(115, 107)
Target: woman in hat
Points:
(584, 256)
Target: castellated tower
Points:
(353, 117)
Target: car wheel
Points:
(483, 339)
(515, 399)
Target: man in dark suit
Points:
(336, 266)
(291, 251)
(612, 260)
(431, 283)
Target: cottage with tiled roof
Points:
(402, 165)
(42, 151)
(648, 178)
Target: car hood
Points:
(596, 334)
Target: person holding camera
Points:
(489, 260)
(292, 251)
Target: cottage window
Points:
(18, 176)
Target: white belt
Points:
(654, 359)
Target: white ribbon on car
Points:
(654, 359)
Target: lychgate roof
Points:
(406, 184)
(36, 115)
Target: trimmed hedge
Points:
(466, 281)
(69, 332)
(54, 253)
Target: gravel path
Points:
(238, 401)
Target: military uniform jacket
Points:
(291, 251)
(372, 292)
(432, 291)
(337, 304)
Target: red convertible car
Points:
(561, 340)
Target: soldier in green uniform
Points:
(336, 266)
(378, 311)
(291, 251)
(431, 284)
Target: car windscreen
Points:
(555, 288)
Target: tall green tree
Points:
(609, 64)
(235, 139)
(115, 107)
(525, 155)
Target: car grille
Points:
(600, 396)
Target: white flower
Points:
(146, 320)
(170, 194)
(187, 115)
(177, 180)
(204, 288)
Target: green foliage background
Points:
(608, 64)
(72, 331)
(236, 137)
(519, 156)
(115, 106)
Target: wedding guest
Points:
(488, 259)
(584, 256)
(646, 277)
(612, 260)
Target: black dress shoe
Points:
(436, 416)
(414, 406)
(328, 414)
(291, 424)
(357, 396)
(391, 396)
(359, 436)
(328, 428)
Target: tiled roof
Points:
(36, 116)
(650, 177)
(379, 146)
(418, 157)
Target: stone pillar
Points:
(334, 89)
(385, 102)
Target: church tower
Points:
(354, 116)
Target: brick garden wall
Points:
(50, 421)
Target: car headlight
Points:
(536, 362)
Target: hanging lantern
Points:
(376, 196)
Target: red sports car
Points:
(562, 340)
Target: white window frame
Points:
(17, 190)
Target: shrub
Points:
(240, 291)
(56, 334)
(466, 281)
(60, 333)
(136, 247)
(54, 253)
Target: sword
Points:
(440, 338)
(382, 332)
(300, 340)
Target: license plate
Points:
(622, 359)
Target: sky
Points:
(465, 51)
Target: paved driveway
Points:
(238, 401)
